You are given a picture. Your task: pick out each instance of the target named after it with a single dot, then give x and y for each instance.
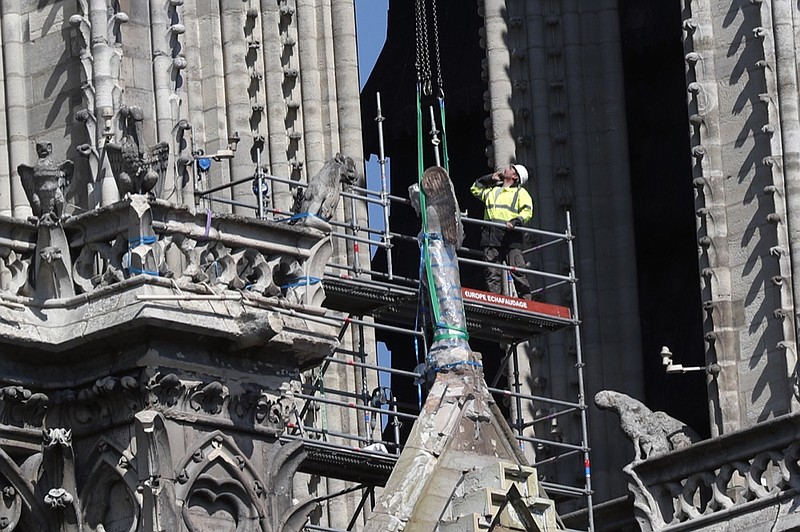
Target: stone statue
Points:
(442, 280)
(322, 195)
(45, 182)
(137, 168)
(652, 433)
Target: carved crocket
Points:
(652, 433)
(136, 168)
(45, 182)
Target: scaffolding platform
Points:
(382, 300)
(347, 464)
(490, 316)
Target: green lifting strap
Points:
(423, 212)
(454, 332)
(445, 156)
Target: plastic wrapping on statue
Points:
(450, 344)
(438, 247)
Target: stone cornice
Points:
(147, 263)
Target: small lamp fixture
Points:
(671, 367)
(233, 144)
(666, 356)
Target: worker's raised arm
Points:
(484, 183)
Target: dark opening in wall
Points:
(663, 206)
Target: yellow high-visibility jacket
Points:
(504, 204)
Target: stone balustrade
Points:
(737, 479)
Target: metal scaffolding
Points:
(359, 298)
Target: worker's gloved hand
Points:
(488, 180)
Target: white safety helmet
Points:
(522, 172)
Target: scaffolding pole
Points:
(390, 416)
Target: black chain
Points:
(439, 83)
(423, 55)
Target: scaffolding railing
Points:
(378, 408)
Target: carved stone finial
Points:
(443, 217)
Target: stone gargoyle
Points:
(136, 167)
(45, 182)
(322, 195)
(44, 185)
(652, 433)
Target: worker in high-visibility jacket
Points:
(507, 202)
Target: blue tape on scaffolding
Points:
(138, 241)
(137, 271)
(303, 281)
(300, 216)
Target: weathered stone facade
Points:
(741, 78)
(150, 346)
(153, 343)
(152, 396)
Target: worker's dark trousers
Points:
(494, 276)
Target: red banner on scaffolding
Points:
(471, 295)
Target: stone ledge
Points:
(244, 320)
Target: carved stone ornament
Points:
(136, 167)
(44, 184)
(58, 498)
(320, 199)
(57, 436)
(167, 389)
(22, 407)
(141, 250)
(652, 433)
(208, 397)
(219, 484)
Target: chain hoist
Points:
(425, 91)
(423, 63)
(426, 87)
(437, 55)
(423, 52)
